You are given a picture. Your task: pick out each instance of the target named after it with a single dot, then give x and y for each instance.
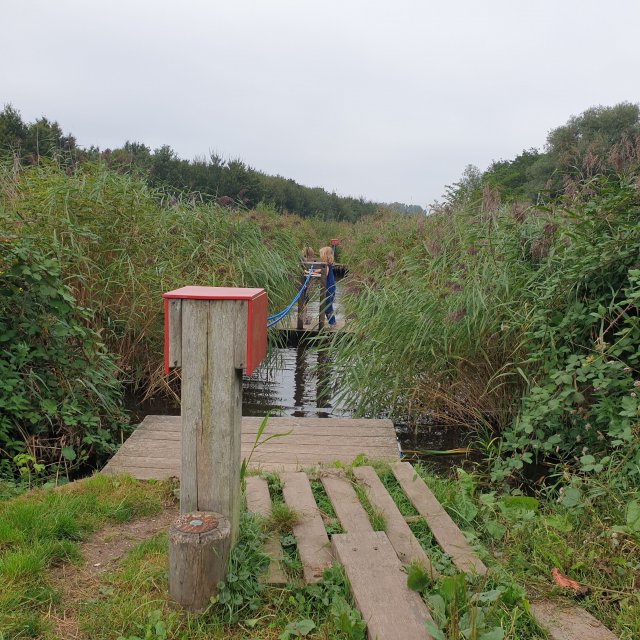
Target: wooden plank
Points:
(298, 438)
(156, 443)
(567, 622)
(195, 323)
(350, 512)
(259, 502)
(174, 306)
(325, 426)
(398, 531)
(310, 534)
(444, 529)
(379, 587)
(160, 448)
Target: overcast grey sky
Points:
(389, 100)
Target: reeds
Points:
(122, 244)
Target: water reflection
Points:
(295, 381)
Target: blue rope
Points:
(274, 319)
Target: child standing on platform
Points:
(326, 255)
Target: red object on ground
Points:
(334, 242)
(567, 583)
(256, 320)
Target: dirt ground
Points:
(101, 553)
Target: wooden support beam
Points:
(212, 406)
(310, 534)
(444, 529)
(400, 535)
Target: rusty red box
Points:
(256, 321)
(334, 242)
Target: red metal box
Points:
(256, 320)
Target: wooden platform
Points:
(290, 323)
(153, 449)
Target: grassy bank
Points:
(521, 539)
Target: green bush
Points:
(60, 401)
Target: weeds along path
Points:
(101, 553)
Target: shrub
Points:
(60, 401)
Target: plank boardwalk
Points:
(259, 502)
(310, 534)
(379, 587)
(444, 529)
(398, 531)
(345, 502)
(153, 450)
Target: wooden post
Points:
(213, 344)
(323, 295)
(213, 333)
(199, 545)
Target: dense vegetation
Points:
(600, 140)
(228, 182)
(520, 319)
(85, 254)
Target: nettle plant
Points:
(584, 340)
(60, 401)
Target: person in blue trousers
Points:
(326, 255)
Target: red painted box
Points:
(256, 321)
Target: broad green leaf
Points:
(633, 516)
(68, 453)
(417, 578)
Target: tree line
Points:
(231, 182)
(601, 140)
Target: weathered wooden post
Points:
(213, 333)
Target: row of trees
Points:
(230, 182)
(602, 140)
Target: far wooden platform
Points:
(153, 449)
(290, 323)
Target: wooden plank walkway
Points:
(444, 529)
(346, 504)
(259, 502)
(291, 324)
(398, 531)
(379, 587)
(153, 450)
(568, 622)
(310, 534)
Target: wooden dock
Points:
(153, 450)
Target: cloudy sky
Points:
(389, 100)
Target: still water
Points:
(298, 381)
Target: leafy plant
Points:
(60, 400)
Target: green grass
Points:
(520, 538)
(331, 523)
(41, 529)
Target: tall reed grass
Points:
(121, 244)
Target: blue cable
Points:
(274, 319)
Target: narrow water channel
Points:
(297, 381)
